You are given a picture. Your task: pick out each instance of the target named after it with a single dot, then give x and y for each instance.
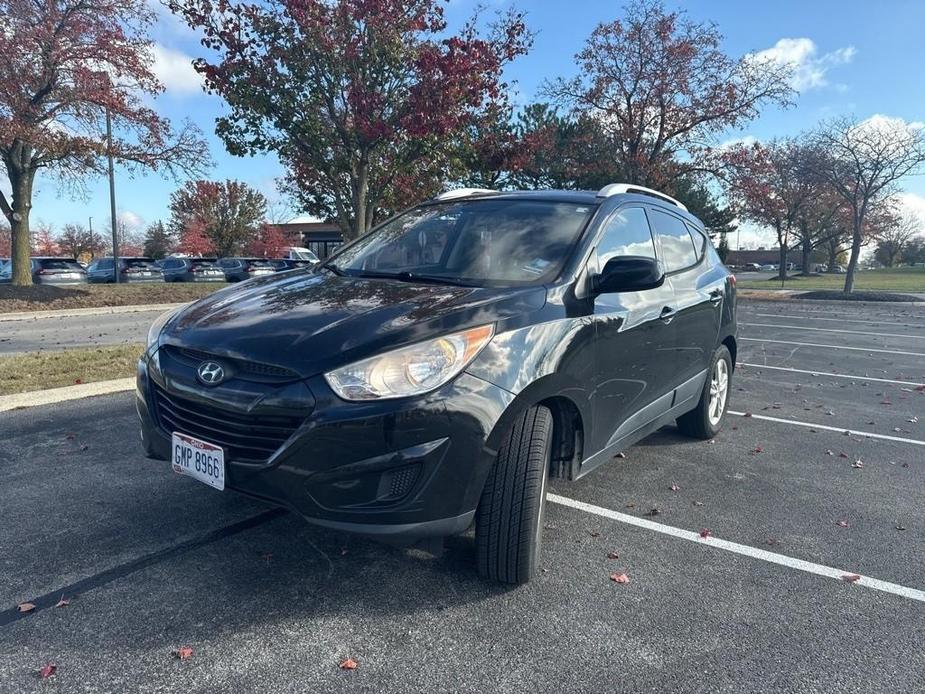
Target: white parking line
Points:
(745, 550)
(836, 320)
(827, 373)
(840, 430)
(832, 330)
(816, 344)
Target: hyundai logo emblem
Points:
(210, 373)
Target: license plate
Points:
(199, 459)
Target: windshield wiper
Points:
(415, 277)
(333, 268)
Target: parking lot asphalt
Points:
(66, 332)
(152, 562)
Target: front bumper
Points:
(412, 468)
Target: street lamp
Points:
(112, 200)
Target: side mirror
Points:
(628, 273)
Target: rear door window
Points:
(675, 241)
(59, 264)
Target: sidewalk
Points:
(96, 311)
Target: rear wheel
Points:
(706, 420)
(509, 522)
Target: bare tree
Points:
(863, 161)
(892, 239)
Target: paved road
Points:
(44, 334)
(154, 561)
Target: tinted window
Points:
(675, 240)
(142, 263)
(201, 263)
(104, 264)
(699, 239)
(55, 264)
(497, 242)
(626, 233)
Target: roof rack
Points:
(619, 188)
(464, 193)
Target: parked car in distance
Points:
(282, 264)
(131, 269)
(442, 367)
(239, 269)
(191, 270)
(49, 270)
(300, 253)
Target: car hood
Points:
(312, 322)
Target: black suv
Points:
(438, 370)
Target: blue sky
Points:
(851, 58)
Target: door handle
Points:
(667, 315)
(716, 296)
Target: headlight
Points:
(155, 330)
(410, 370)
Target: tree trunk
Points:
(833, 257)
(21, 246)
(782, 268)
(856, 239)
(807, 255)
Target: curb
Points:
(36, 398)
(96, 311)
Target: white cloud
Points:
(744, 140)
(912, 204)
(129, 221)
(175, 70)
(802, 55)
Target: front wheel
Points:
(706, 420)
(509, 522)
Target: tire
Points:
(509, 521)
(698, 423)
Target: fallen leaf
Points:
(748, 414)
(842, 455)
(652, 512)
(621, 454)
(25, 606)
(594, 533)
(183, 652)
(63, 602)
(772, 541)
(613, 555)
(77, 381)
(348, 664)
(675, 488)
(698, 503)
(851, 578)
(71, 436)
(900, 527)
(619, 578)
(757, 449)
(857, 463)
(828, 451)
(912, 420)
(48, 670)
(705, 533)
(842, 523)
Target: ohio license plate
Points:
(201, 460)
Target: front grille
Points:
(246, 370)
(245, 437)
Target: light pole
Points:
(112, 200)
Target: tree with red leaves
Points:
(63, 65)
(772, 185)
(43, 241)
(270, 242)
(228, 213)
(352, 95)
(194, 240)
(663, 86)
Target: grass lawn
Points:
(41, 370)
(905, 279)
(47, 298)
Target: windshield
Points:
(59, 264)
(142, 263)
(492, 242)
